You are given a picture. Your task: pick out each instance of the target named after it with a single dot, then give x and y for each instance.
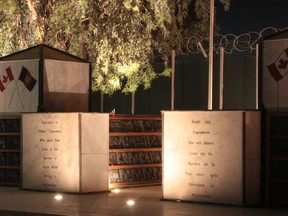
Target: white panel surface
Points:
(74, 76)
(274, 74)
(51, 152)
(19, 85)
(95, 133)
(203, 156)
(95, 151)
(95, 175)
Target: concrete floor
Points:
(147, 202)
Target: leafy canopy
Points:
(119, 37)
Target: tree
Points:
(120, 37)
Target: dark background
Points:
(252, 15)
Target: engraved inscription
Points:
(201, 159)
(203, 156)
(50, 140)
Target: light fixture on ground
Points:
(130, 202)
(58, 197)
(116, 190)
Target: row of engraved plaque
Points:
(9, 159)
(122, 142)
(117, 125)
(9, 176)
(135, 174)
(10, 125)
(125, 158)
(9, 142)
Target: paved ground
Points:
(147, 202)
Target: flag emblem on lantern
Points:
(5, 78)
(279, 68)
(27, 79)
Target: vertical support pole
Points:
(257, 77)
(102, 102)
(221, 80)
(173, 80)
(133, 103)
(210, 76)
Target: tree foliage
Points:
(120, 37)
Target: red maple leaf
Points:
(5, 79)
(283, 63)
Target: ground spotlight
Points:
(58, 197)
(130, 202)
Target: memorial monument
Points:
(211, 156)
(65, 152)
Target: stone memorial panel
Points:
(59, 148)
(204, 156)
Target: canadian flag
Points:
(6, 77)
(279, 68)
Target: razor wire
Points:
(231, 43)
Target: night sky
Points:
(252, 15)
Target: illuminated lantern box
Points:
(211, 156)
(65, 152)
(274, 72)
(42, 78)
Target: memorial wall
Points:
(65, 152)
(211, 156)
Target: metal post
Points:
(221, 81)
(173, 80)
(257, 76)
(210, 76)
(102, 101)
(133, 103)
